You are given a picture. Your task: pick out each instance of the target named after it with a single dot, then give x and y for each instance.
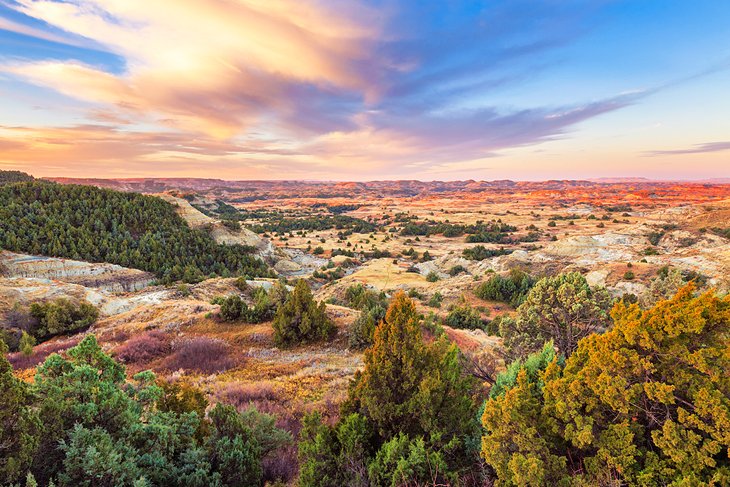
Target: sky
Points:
(366, 90)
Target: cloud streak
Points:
(284, 88)
(696, 149)
(27, 30)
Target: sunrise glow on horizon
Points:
(365, 90)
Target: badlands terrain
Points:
(388, 236)
(618, 234)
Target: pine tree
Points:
(648, 403)
(411, 387)
(19, 424)
(563, 309)
(301, 319)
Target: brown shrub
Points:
(40, 353)
(241, 395)
(281, 466)
(144, 348)
(200, 354)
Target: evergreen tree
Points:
(301, 319)
(234, 451)
(102, 225)
(84, 389)
(408, 386)
(335, 456)
(20, 426)
(563, 309)
(647, 403)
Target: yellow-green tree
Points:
(647, 403)
(562, 308)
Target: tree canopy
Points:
(646, 403)
(409, 418)
(562, 308)
(301, 319)
(82, 423)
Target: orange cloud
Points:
(211, 66)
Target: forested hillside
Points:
(7, 177)
(100, 225)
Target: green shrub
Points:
(436, 299)
(456, 270)
(242, 284)
(183, 290)
(360, 332)
(511, 289)
(300, 319)
(27, 342)
(61, 316)
(82, 422)
(432, 276)
(403, 461)
(464, 316)
(232, 308)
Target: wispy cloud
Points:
(695, 149)
(27, 30)
(214, 66)
(289, 87)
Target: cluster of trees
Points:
(297, 317)
(282, 224)
(372, 306)
(81, 423)
(264, 306)
(128, 229)
(61, 316)
(45, 319)
(646, 403)
(301, 319)
(336, 209)
(511, 289)
(491, 233)
(463, 315)
(424, 229)
(495, 232)
(410, 417)
(480, 252)
(7, 177)
(329, 273)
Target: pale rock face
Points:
(425, 268)
(287, 266)
(587, 250)
(627, 287)
(597, 277)
(105, 276)
(443, 264)
(339, 259)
